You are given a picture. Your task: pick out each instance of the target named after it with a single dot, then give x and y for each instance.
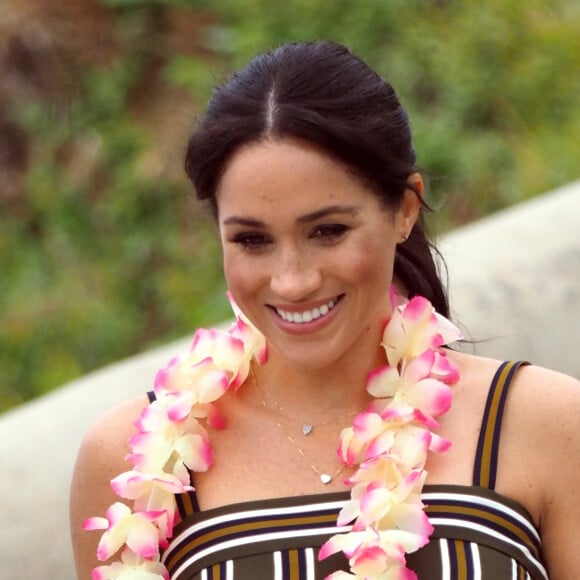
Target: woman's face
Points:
(308, 250)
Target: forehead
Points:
(286, 175)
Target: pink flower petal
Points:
(95, 523)
(443, 369)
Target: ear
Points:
(410, 206)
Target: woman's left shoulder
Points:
(542, 408)
(535, 392)
(546, 395)
(539, 464)
(541, 430)
(543, 415)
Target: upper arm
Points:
(555, 411)
(100, 459)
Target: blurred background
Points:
(103, 250)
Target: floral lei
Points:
(387, 445)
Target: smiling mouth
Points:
(307, 315)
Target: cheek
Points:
(233, 272)
(243, 277)
(373, 262)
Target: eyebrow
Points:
(350, 210)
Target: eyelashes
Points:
(250, 241)
(329, 232)
(257, 241)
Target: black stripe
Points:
(469, 560)
(285, 565)
(453, 571)
(302, 562)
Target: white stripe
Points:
(230, 518)
(476, 560)
(514, 570)
(337, 505)
(445, 566)
(490, 503)
(435, 521)
(277, 566)
(310, 570)
(312, 507)
(204, 574)
(255, 540)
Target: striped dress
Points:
(478, 534)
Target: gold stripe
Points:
(187, 504)
(294, 565)
(489, 517)
(258, 525)
(490, 425)
(215, 572)
(461, 558)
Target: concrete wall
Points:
(515, 284)
(515, 281)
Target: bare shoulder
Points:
(537, 396)
(549, 418)
(106, 441)
(539, 463)
(101, 457)
(542, 411)
(547, 405)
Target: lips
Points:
(307, 315)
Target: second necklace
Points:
(307, 426)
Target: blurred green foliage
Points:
(102, 251)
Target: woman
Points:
(306, 161)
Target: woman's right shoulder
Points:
(101, 458)
(108, 437)
(104, 447)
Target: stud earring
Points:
(404, 238)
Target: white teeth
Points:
(308, 315)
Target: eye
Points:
(251, 241)
(329, 232)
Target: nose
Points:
(296, 277)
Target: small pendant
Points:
(306, 428)
(325, 478)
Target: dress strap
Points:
(486, 455)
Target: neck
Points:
(318, 391)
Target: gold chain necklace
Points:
(324, 477)
(307, 426)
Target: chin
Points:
(307, 356)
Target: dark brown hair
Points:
(323, 94)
